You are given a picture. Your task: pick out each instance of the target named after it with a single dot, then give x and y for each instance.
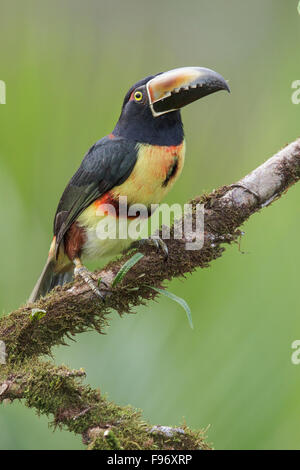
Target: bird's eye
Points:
(138, 96)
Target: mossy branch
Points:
(59, 392)
(73, 309)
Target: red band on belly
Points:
(108, 205)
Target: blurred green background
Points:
(67, 65)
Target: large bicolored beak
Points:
(176, 88)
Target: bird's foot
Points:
(158, 243)
(82, 272)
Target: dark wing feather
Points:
(107, 164)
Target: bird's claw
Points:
(158, 243)
(84, 273)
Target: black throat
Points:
(142, 127)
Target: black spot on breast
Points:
(171, 172)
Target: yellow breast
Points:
(156, 170)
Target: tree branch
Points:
(103, 425)
(73, 308)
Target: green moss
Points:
(59, 392)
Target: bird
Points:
(140, 159)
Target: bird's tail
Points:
(51, 276)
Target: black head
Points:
(151, 108)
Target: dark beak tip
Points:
(226, 88)
(222, 84)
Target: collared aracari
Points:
(141, 159)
